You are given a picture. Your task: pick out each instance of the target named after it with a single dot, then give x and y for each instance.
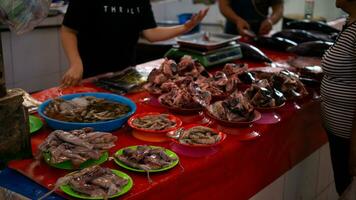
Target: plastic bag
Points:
(23, 15)
(350, 192)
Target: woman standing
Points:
(338, 91)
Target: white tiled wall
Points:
(33, 61)
(324, 8)
(311, 179)
(170, 9)
(38, 60)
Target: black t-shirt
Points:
(108, 31)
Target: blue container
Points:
(98, 126)
(182, 18)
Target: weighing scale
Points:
(208, 48)
(207, 58)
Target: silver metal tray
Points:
(206, 40)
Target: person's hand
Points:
(73, 76)
(195, 20)
(242, 27)
(266, 27)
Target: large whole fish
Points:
(312, 26)
(313, 48)
(253, 53)
(300, 36)
(275, 43)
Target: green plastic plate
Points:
(68, 190)
(69, 166)
(168, 152)
(35, 123)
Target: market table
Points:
(236, 169)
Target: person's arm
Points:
(165, 33)
(74, 74)
(226, 10)
(277, 14)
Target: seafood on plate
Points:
(289, 84)
(236, 108)
(170, 71)
(247, 77)
(76, 146)
(179, 99)
(219, 85)
(199, 135)
(191, 86)
(231, 69)
(145, 158)
(85, 109)
(94, 181)
(262, 95)
(253, 75)
(154, 122)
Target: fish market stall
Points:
(233, 158)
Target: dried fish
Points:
(199, 135)
(154, 122)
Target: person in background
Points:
(247, 16)
(100, 36)
(338, 92)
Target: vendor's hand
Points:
(242, 27)
(266, 27)
(195, 20)
(73, 76)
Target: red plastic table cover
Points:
(236, 169)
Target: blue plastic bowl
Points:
(98, 126)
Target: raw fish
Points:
(253, 53)
(313, 48)
(312, 26)
(275, 43)
(300, 36)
